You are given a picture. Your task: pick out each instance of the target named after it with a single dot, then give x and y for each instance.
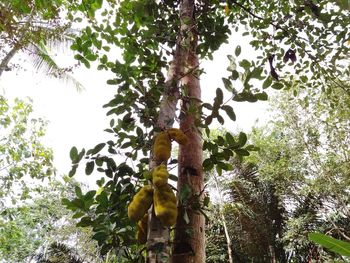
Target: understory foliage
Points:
(28, 229)
(296, 184)
(31, 214)
(298, 46)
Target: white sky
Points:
(78, 119)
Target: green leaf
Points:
(89, 167)
(219, 96)
(262, 96)
(100, 237)
(86, 62)
(207, 106)
(242, 139)
(81, 155)
(73, 170)
(242, 152)
(227, 84)
(91, 57)
(277, 86)
(73, 154)
(238, 51)
(230, 140)
(267, 83)
(98, 148)
(229, 111)
(78, 192)
(78, 214)
(234, 75)
(208, 165)
(245, 64)
(65, 202)
(337, 246)
(85, 221)
(256, 73)
(89, 195)
(102, 199)
(220, 119)
(173, 177)
(208, 120)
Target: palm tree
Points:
(34, 30)
(58, 253)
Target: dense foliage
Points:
(30, 228)
(23, 155)
(298, 182)
(302, 167)
(298, 46)
(31, 213)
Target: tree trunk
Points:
(158, 236)
(222, 215)
(158, 245)
(189, 243)
(6, 60)
(18, 44)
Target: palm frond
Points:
(58, 252)
(43, 61)
(56, 37)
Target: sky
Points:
(78, 119)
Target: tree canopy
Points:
(154, 50)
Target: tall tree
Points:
(148, 33)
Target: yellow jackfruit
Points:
(140, 203)
(141, 234)
(178, 136)
(160, 175)
(165, 206)
(162, 147)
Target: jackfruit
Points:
(141, 234)
(178, 136)
(165, 206)
(140, 203)
(160, 175)
(162, 147)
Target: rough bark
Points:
(189, 242)
(158, 245)
(158, 236)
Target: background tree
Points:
(32, 215)
(299, 34)
(29, 229)
(35, 28)
(304, 152)
(23, 155)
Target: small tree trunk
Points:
(6, 60)
(227, 236)
(158, 236)
(19, 43)
(158, 245)
(189, 242)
